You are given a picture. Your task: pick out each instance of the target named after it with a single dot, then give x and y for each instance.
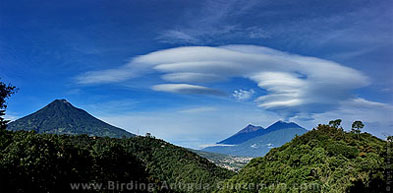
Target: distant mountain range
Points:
(243, 135)
(61, 117)
(255, 141)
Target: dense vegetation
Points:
(31, 162)
(5, 92)
(61, 117)
(326, 159)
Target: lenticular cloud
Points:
(293, 83)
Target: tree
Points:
(356, 126)
(335, 123)
(390, 139)
(5, 92)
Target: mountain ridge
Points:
(254, 141)
(243, 135)
(251, 131)
(61, 117)
(250, 128)
(259, 146)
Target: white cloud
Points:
(186, 89)
(131, 69)
(294, 84)
(191, 77)
(198, 110)
(243, 94)
(105, 76)
(215, 145)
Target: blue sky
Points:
(195, 72)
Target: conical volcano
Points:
(61, 117)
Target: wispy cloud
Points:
(178, 36)
(356, 29)
(242, 95)
(215, 145)
(198, 110)
(105, 76)
(191, 77)
(186, 89)
(294, 83)
(212, 22)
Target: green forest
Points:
(31, 162)
(326, 159)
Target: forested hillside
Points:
(326, 159)
(31, 162)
